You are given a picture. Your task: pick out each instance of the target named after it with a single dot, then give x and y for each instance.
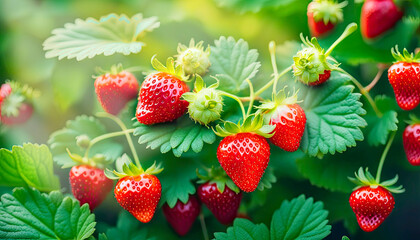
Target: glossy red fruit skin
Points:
(182, 216)
(160, 99)
(224, 206)
(378, 16)
(244, 157)
(321, 79)
(318, 28)
(114, 91)
(405, 80)
(411, 141)
(290, 123)
(139, 195)
(371, 206)
(25, 113)
(89, 185)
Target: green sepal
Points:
(365, 178)
(125, 167)
(98, 160)
(252, 124)
(115, 69)
(170, 68)
(20, 94)
(216, 175)
(405, 56)
(413, 119)
(328, 10)
(23, 89)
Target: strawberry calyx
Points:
(170, 68)
(194, 59)
(405, 56)
(13, 95)
(98, 160)
(114, 70)
(365, 178)
(269, 107)
(205, 103)
(413, 120)
(252, 124)
(125, 167)
(218, 176)
(327, 10)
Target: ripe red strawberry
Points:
(411, 141)
(323, 15)
(160, 94)
(182, 215)
(89, 185)
(25, 113)
(224, 205)
(16, 107)
(371, 206)
(404, 76)
(115, 90)
(378, 16)
(244, 157)
(139, 195)
(321, 79)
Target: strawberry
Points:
(139, 195)
(160, 95)
(323, 77)
(411, 141)
(323, 15)
(182, 216)
(371, 206)
(404, 76)
(89, 185)
(223, 204)
(115, 89)
(378, 16)
(24, 114)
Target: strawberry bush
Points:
(209, 119)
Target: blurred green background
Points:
(67, 85)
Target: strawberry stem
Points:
(127, 135)
(236, 98)
(204, 227)
(272, 50)
(266, 86)
(378, 76)
(349, 30)
(105, 137)
(381, 162)
(363, 92)
(252, 97)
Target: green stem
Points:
(272, 50)
(204, 227)
(381, 162)
(363, 92)
(234, 97)
(252, 96)
(123, 127)
(105, 137)
(349, 30)
(266, 86)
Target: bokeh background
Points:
(67, 85)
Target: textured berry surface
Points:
(244, 157)
(317, 28)
(25, 113)
(290, 123)
(224, 206)
(139, 195)
(89, 185)
(378, 16)
(405, 80)
(321, 79)
(115, 90)
(160, 99)
(411, 141)
(371, 206)
(182, 215)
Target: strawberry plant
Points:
(252, 136)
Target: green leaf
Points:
(267, 179)
(333, 114)
(243, 229)
(232, 63)
(30, 165)
(180, 136)
(29, 214)
(128, 228)
(257, 5)
(177, 182)
(382, 126)
(300, 219)
(66, 138)
(108, 35)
